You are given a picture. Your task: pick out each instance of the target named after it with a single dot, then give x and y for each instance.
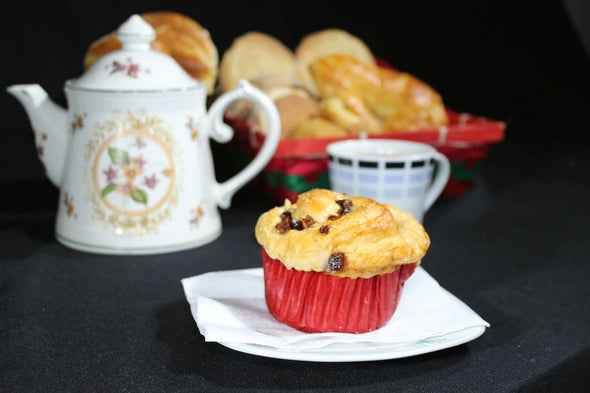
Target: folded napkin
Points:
(229, 307)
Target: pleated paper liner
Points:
(316, 302)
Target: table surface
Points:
(514, 248)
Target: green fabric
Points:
(459, 170)
(297, 183)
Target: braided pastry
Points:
(327, 42)
(375, 98)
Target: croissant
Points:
(375, 98)
(176, 35)
(324, 43)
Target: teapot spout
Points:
(49, 122)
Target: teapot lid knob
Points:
(136, 34)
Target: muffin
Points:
(337, 263)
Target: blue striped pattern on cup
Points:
(381, 179)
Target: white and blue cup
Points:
(400, 173)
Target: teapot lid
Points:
(135, 67)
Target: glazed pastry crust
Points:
(377, 99)
(327, 42)
(375, 238)
(317, 127)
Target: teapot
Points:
(131, 155)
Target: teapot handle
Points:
(223, 133)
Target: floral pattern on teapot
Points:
(197, 214)
(133, 172)
(69, 204)
(131, 68)
(78, 122)
(192, 128)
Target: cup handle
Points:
(440, 181)
(223, 133)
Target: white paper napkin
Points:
(229, 307)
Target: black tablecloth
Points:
(514, 248)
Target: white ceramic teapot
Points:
(131, 156)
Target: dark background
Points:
(521, 62)
(514, 247)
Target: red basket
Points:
(299, 165)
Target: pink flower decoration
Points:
(118, 67)
(111, 174)
(139, 143)
(151, 181)
(139, 161)
(132, 69)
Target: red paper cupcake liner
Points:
(316, 302)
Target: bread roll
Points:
(294, 110)
(316, 127)
(274, 88)
(176, 35)
(394, 99)
(327, 42)
(344, 114)
(255, 55)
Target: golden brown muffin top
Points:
(346, 236)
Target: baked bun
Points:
(317, 127)
(379, 97)
(326, 42)
(350, 115)
(372, 238)
(293, 102)
(294, 110)
(176, 35)
(255, 55)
